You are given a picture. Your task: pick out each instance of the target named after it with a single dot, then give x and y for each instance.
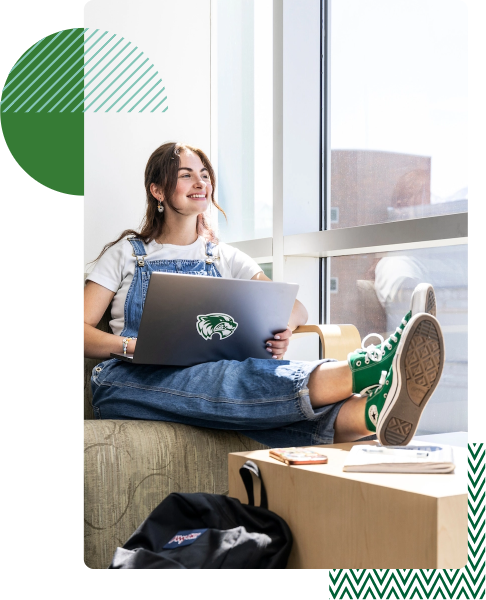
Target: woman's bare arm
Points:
(99, 344)
(278, 346)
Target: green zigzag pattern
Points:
(80, 70)
(432, 583)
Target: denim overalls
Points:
(267, 400)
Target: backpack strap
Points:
(246, 472)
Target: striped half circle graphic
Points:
(58, 80)
(84, 70)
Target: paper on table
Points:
(415, 458)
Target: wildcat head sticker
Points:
(208, 325)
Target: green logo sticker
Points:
(208, 325)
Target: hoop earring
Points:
(160, 206)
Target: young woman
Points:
(276, 402)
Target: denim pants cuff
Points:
(324, 416)
(302, 382)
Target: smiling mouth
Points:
(197, 197)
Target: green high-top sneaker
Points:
(368, 362)
(376, 399)
(394, 408)
(423, 300)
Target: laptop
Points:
(189, 319)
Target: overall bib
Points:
(267, 400)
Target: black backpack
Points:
(209, 531)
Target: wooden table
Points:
(364, 520)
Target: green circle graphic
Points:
(55, 82)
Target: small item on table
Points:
(298, 456)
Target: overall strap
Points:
(138, 251)
(209, 253)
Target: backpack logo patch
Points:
(184, 538)
(209, 325)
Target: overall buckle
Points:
(211, 259)
(140, 259)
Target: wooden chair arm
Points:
(337, 340)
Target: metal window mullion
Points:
(327, 156)
(325, 150)
(325, 209)
(278, 238)
(255, 248)
(382, 237)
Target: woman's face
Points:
(193, 191)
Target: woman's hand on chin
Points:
(278, 345)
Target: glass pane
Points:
(267, 268)
(373, 292)
(398, 110)
(244, 51)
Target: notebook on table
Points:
(417, 457)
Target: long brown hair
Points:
(163, 169)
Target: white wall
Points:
(175, 35)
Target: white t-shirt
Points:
(115, 269)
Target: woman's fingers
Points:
(278, 345)
(283, 335)
(277, 351)
(277, 348)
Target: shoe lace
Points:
(370, 390)
(399, 331)
(372, 351)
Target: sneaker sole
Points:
(423, 300)
(417, 368)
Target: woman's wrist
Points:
(131, 346)
(128, 345)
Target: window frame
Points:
(426, 232)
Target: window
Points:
(398, 87)
(374, 294)
(267, 269)
(334, 214)
(395, 121)
(244, 117)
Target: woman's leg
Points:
(329, 383)
(252, 395)
(350, 424)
